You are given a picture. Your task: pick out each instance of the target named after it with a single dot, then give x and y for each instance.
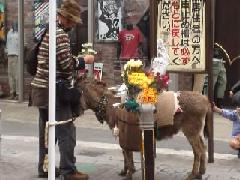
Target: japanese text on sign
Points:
(182, 27)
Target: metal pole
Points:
(148, 154)
(209, 55)
(148, 139)
(52, 87)
(21, 49)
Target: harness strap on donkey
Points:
(100, 110)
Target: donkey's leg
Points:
(202, 168)
(123, 172)
(130, 164)
(197, 151)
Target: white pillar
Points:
(90, 21)
(52, 88)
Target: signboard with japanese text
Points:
(109, 19)
(182, 28)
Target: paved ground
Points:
(103, 160)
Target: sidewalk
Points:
(103, 161)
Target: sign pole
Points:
(147, 120)
(148, 147)
(52, 88)
(209, 55)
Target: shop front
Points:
(35, 15)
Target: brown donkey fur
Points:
(191, 122)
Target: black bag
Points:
(31, 58)
(68, 95)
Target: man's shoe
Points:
(42, 174)
(75, 176)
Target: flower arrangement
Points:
(138, 82)
(87, 49)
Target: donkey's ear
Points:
(104, 84)
(81, 77)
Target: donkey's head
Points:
(92, 91)
(95, 96)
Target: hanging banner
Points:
(182, 28)
(40, 18)
(2, 20)
(109, 19)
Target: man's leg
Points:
(15, 76)
(43, 118)
(66, 136)
(10, 77)
(222, 83)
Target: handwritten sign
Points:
(182, 27)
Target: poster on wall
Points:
(40, 18)
(97, 71)
(182, 28)
(2, 20)
(109, 19)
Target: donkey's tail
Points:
(208, 122)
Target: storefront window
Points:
(35, 20)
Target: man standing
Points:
(68, 17)
(12, 52)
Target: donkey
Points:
(192, 121)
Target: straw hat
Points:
(70, 9)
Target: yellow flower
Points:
(148, 95)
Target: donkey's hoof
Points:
(122, 173)
(202, 171)
(128, 176)
(194, 177)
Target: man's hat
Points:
(70, 9)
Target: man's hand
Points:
(230, 93)
(89, 59)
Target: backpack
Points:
(31, 57)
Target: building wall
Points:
(107, 51)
